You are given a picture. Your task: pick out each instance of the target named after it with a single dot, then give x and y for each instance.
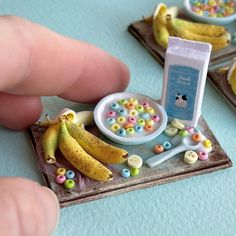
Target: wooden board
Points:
(172, 170)
(219, 80)
(142, 31)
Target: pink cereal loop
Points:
(202, 155)
(110, 114)
(190, 129)
(155, 118)
(145, 104)
(132, 120)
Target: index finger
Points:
(37, 61)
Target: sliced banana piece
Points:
(134, 161)
(190, 157)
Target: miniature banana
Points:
(179, 31)
(198, 28)
(161, 35)
(97, 148)
(160, 31)
(231, 76)
(81, 160)
(50, 143)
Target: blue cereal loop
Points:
(145, 116)
(125, 173)
(167, 145)
(111, 121)
(138, 128)
(122, 112)
(70, 174)
(121, 132)
(115, 106)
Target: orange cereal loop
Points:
(196, 137)
(158, 148)
(149, 127)
(128, 125)
(130, 105)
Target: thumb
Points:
(29, 207)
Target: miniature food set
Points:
(133, 144)
(130, 141)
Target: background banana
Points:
(50, 143)
(96, 147)
(80, 159)
(166, 23)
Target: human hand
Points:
(35, 62)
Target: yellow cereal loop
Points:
(130, 131)
(133, 112)
(134, 101)
(150, 110)
(207, 143)
(115, 127)
(121, 119)
(150, 122)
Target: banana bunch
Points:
(166, 23)
(81, 148)
(80, 159)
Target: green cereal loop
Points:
(183, 133)
(122, 101)
(139, 108)
(69, 183)
(134, 172)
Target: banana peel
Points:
(231, 76)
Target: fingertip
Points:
(31, 208)
(49, 201)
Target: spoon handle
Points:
(159, 158)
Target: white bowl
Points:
(101, 121)
(209, 20)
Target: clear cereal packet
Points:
(185, 72)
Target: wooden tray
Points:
(219, 80)
(143, 32)
(171, 170)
